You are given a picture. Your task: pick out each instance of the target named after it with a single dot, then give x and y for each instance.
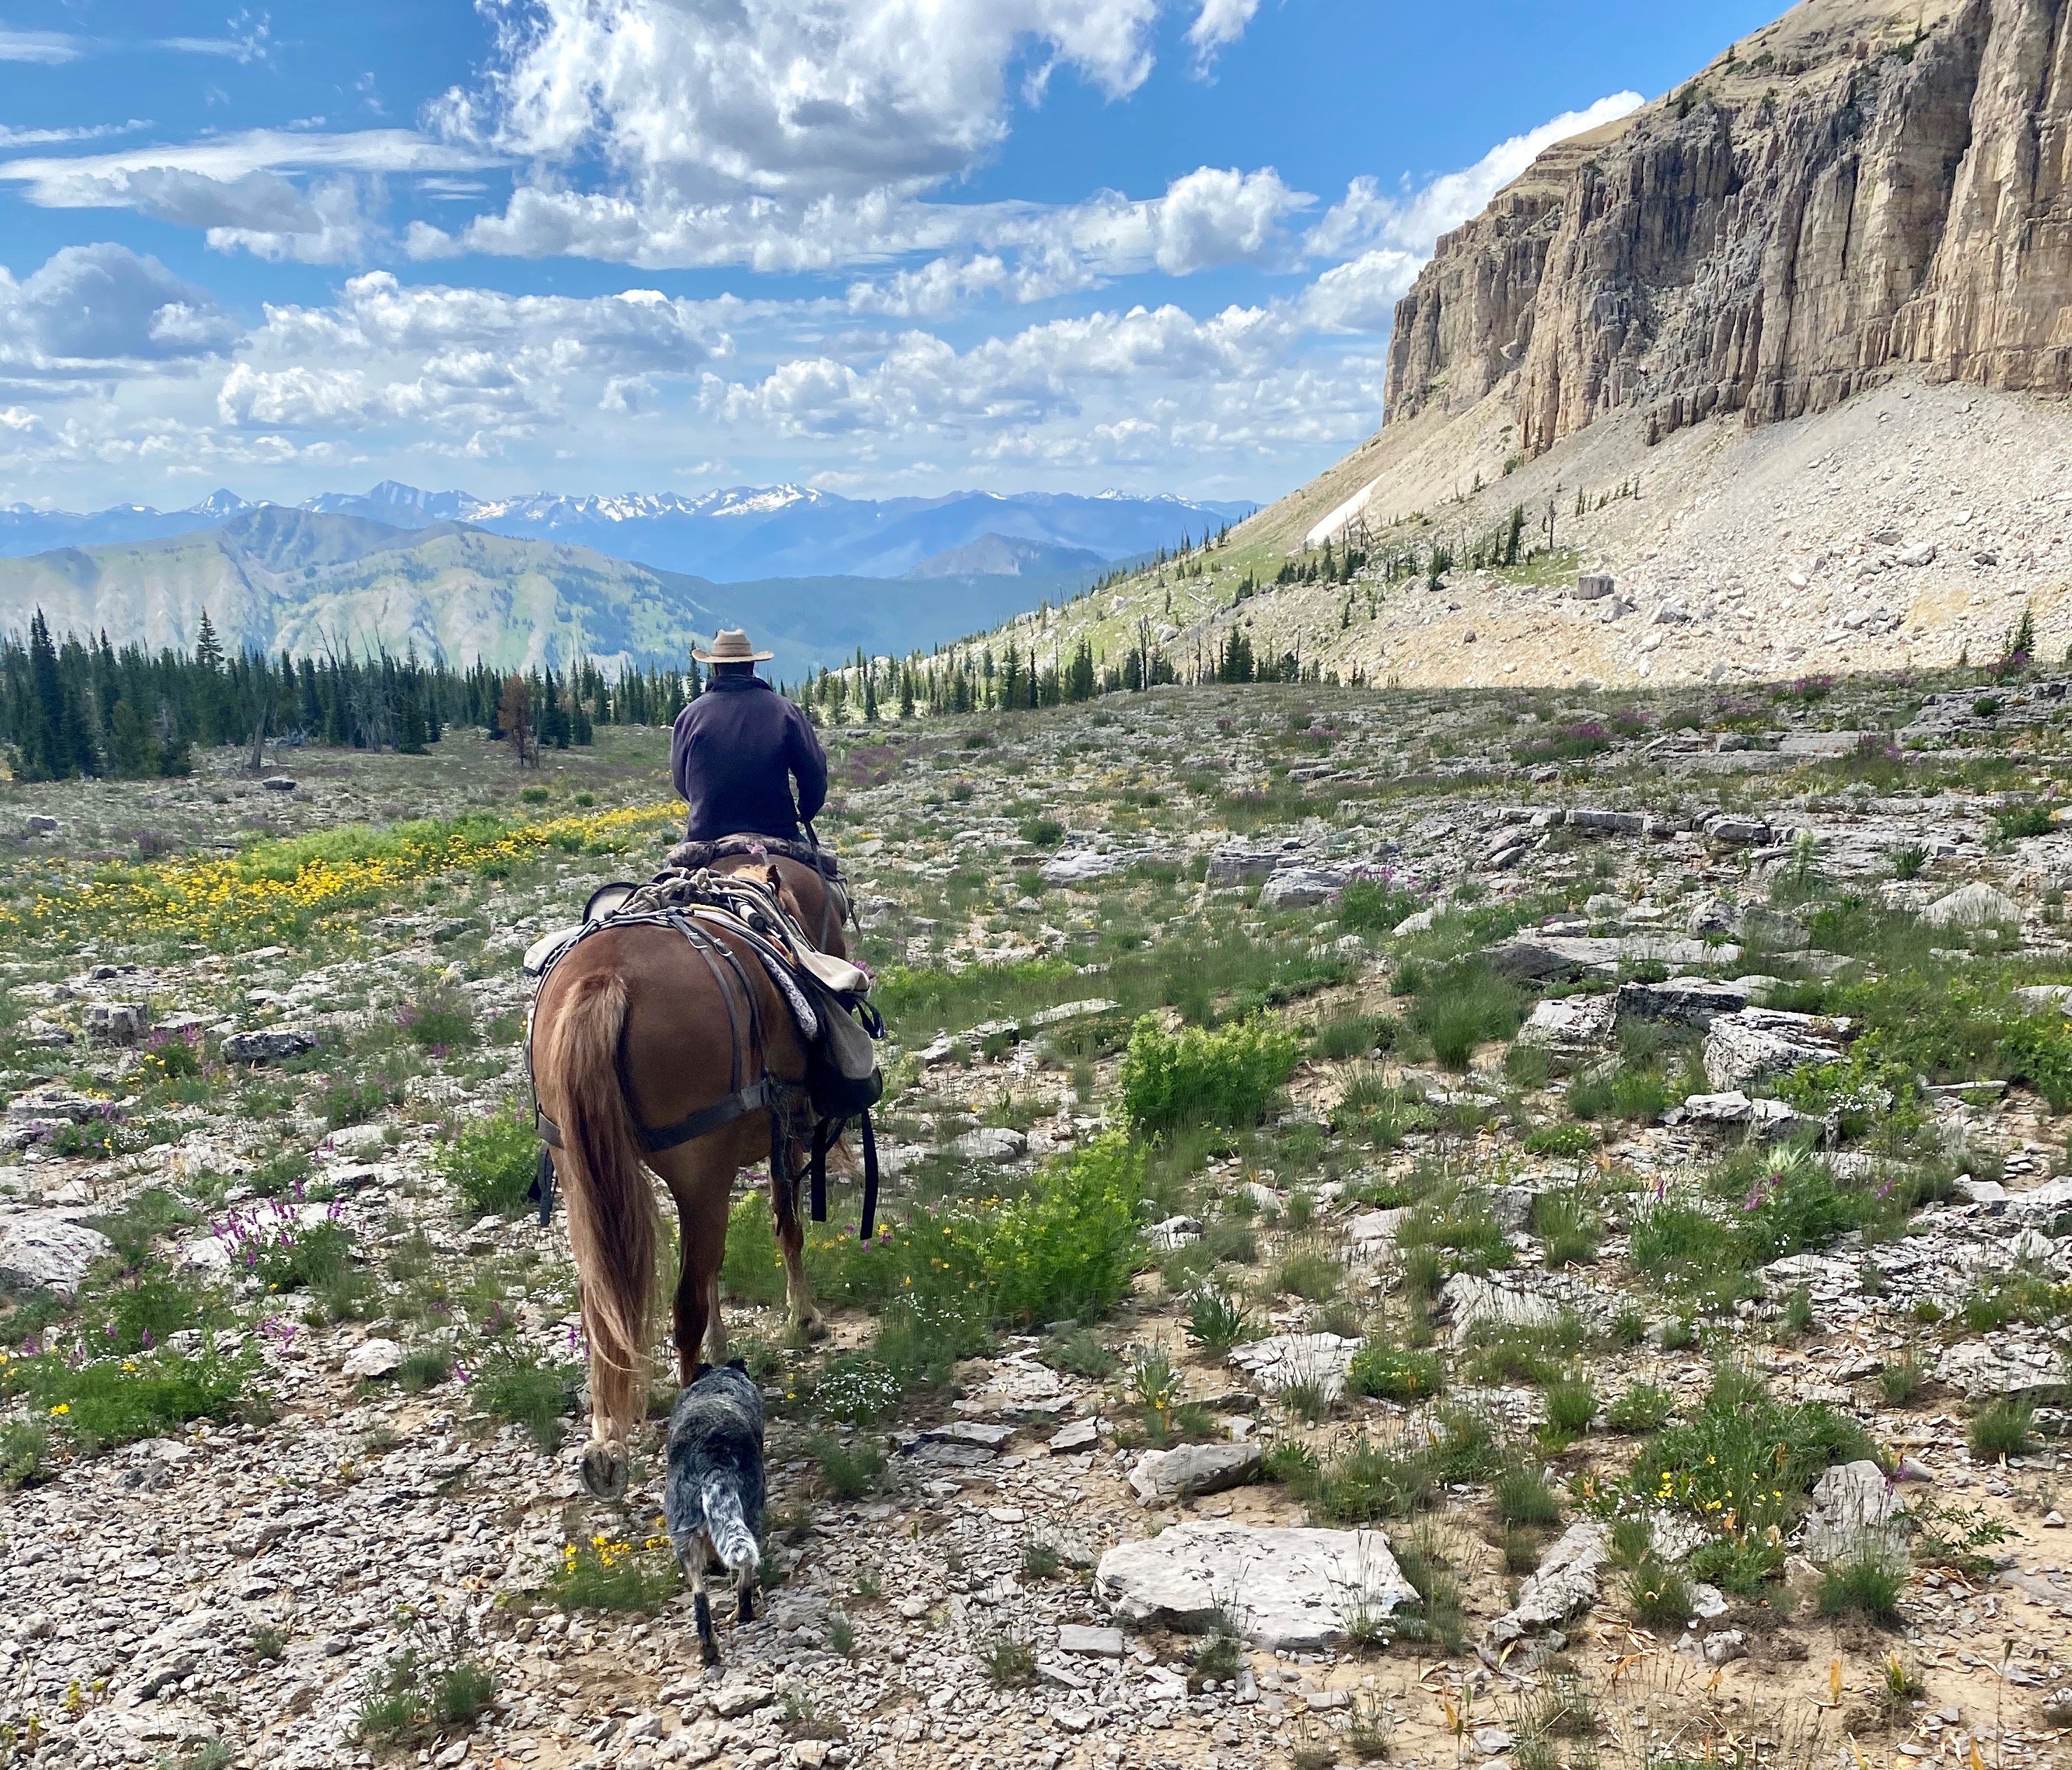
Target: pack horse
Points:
(692, 1027)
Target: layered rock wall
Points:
(1849, 189)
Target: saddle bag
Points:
(842, 1076)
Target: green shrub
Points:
(1041, 832)
(1390, 1373)
(490, 1163)
(1900, 1381)
(1230, 1077)
(2000, 1428)
(25, 1447)
(1072, 1245)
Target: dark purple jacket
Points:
(735, 748)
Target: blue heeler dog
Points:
(711, 1497)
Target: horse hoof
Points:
(810, 1330)
(604, 1472)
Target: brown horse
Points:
(635, 1030)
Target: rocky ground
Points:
(1605, 1297)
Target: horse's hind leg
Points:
(807, 1322)
(699, 1180)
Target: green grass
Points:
(1310, 1273)
(1747, 1455)
(614, 1576)
(1392, 1373)
(1523, 1497)
(1660, 1596)
(851, 1468)
(1356, 1035)
(2000, 1428)
(118, 1400)
(510, 1383)
(1643, 1409)
(1216, 1323)
(1460, 1007)
(1009, 1661)
(489, 1162)
(1572, 1404)
(1868, 1585)
(25, 1449)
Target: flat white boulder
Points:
(47, 1251)
(991, 1142)
(1471, 1301)
(1974, 905)
(1565, 1585)
(1569, 1029)
(1296, 888)
(1285, 1590)
(1760, 1042)
(1852, 1512)
(1972, 1367)
(374, 1358)
(1289, 1361)
(1188, 1469)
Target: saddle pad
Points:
(541, 953)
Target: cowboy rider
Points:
(738, 748)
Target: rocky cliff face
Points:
(1849, 189)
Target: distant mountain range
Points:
(275, 577)
(734, 536)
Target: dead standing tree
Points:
(515, 715)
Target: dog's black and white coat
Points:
(713, 1496)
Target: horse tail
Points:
(613, 1228)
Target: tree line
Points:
(75, 707)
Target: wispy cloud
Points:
(97, 181)
(48, 47)
(51, 137)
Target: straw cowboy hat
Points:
(730, 645)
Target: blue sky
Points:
(880, 246)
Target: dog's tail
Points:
(727, 1529)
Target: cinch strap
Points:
(701, 1124)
